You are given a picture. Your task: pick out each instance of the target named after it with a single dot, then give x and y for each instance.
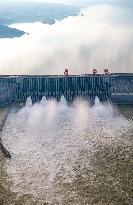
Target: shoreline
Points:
(3, 118)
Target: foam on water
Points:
(47, 138)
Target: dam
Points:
(118, 88)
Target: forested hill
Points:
(47, 13)
(33, 12)
(7, 32)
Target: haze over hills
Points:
(102, 37)
(31, 12)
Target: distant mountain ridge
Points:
(46, 13)
(33, 12)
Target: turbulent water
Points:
(68, 155)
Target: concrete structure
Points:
(116, 87)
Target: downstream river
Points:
(67, 155)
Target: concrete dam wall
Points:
(117, 88)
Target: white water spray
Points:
(43, 101)
(29, 102)
(47, 138)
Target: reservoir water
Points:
(67, 155)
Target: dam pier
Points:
(118, 88)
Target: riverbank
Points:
(3, 113)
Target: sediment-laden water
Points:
(68, 155)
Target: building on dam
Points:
(115, 87)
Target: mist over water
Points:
(69, 154)
(98, 38)
(52, 144)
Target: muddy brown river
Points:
(67, 155)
